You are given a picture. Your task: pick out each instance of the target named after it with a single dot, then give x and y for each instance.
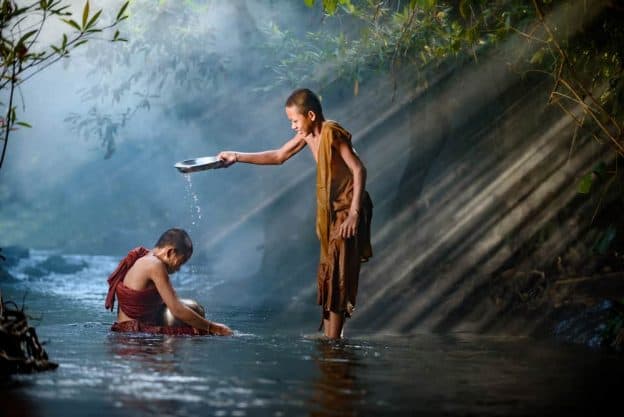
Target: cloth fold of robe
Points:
(340, 259)
(144, 307)
(120, 272)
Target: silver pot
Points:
(170, 320)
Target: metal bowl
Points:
(170, 320)
(199, 164)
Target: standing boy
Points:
(344, 208)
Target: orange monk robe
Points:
(340, 259)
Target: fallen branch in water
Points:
(20, 349)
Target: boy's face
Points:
(174, 260)
(302, 123)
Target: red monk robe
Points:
(144, 307)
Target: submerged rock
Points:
(34, 272)
(58, 264)
(5, 276)
(13, 254)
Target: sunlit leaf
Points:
(72, 23)
(330, 6)
(585, 184)
(122, 10)
(94, 19)
(538, 56)
(464, 8)
(85, 15)
(309, 3)
(24, 124)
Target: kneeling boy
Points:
(142, 286)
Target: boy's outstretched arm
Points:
(180, 311)
(272, 157)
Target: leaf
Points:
(61, 10)
(538, 56)
(64, 44)
(24, 38)
(600, 169)
(464, 8)
(85, 15)
(122, 10)
(82, 42)
(43, 4)
(585, 184)
(94, 19)
(24, 124)
(330, 6)
(72, 23)
(309, 3)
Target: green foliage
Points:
(22, 55)
(585, 184)
(587, 67)
(330, 6)
(375, 35)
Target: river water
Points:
(267, 369)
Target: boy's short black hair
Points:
(305, 100)
(179, 239)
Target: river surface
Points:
(267, 369)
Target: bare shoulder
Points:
(143, 271)
(153, 266)
(146, 262)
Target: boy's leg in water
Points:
(333, 325)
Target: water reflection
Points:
(154, 352)
(337, 391)
(13, 401)
(154, 381)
